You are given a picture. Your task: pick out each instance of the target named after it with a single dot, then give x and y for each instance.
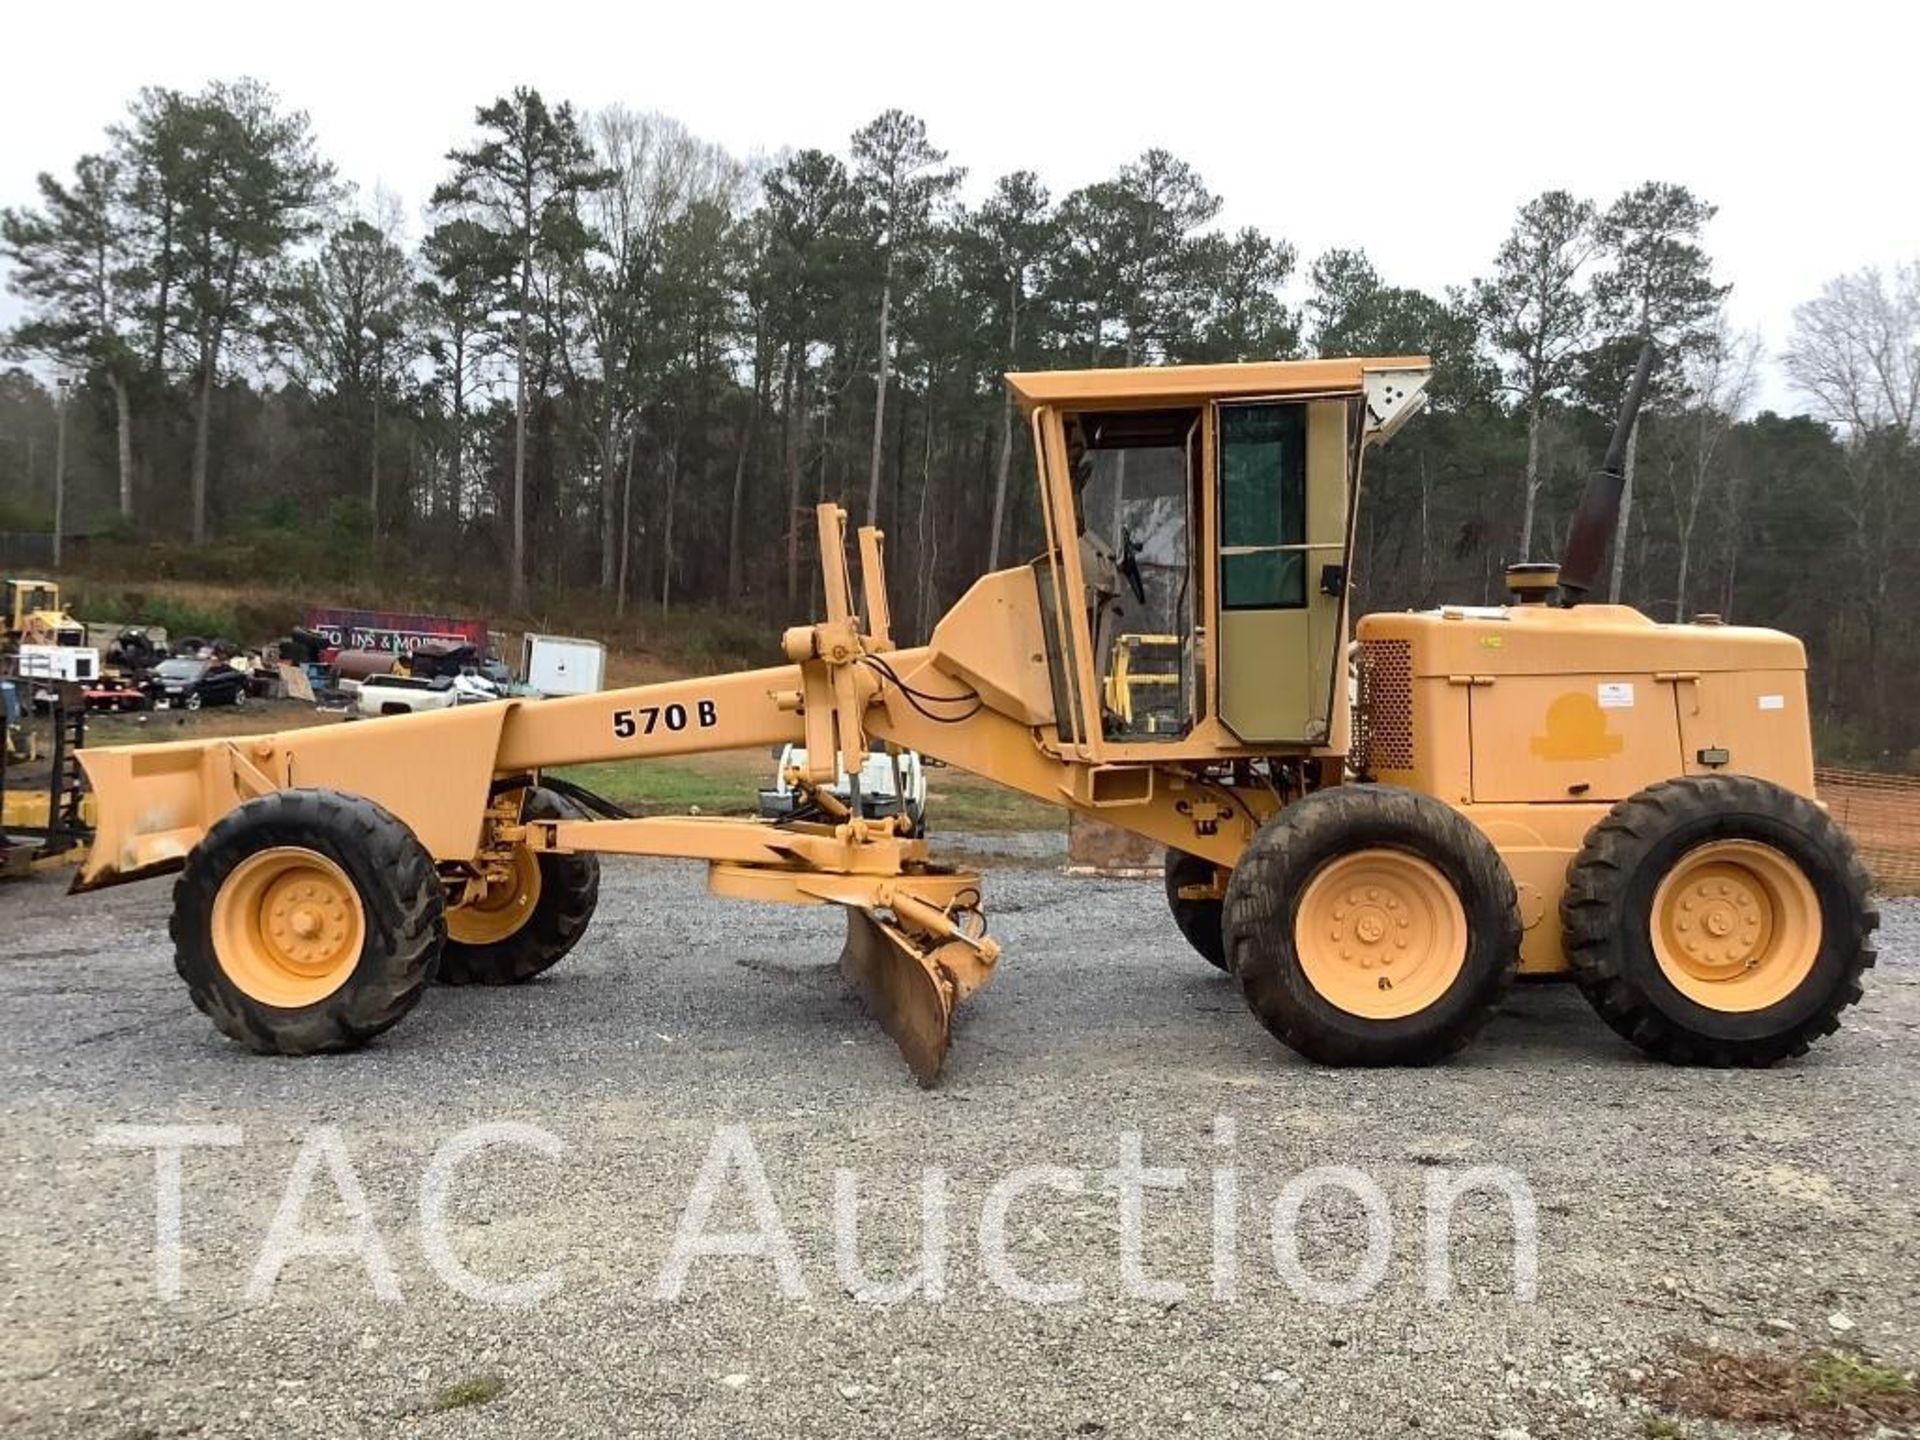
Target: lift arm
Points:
(436, 771)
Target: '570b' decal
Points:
(646, 719)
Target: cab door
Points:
(1281, 479)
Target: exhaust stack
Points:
(1594, 523)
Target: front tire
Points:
(526, 928)
(1372, 925)
(1719, 920)
(307, 921)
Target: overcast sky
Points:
(1412, 130)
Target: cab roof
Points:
(1191, 384)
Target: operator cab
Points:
(26, 597)
(1199, 517)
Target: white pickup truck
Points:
(878, 793)
(409, 694)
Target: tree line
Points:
(622, 360)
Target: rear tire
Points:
(338, 864)
(1199, 920)
(1372, 925)
(1719, 920)
(566, 892)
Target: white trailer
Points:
(561, 665)
(59, 662)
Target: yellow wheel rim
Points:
(503, 909)
(1380, 934)
(1736, 926)
(288, 927)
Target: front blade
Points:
(901, 989)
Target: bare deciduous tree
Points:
(1855, 350)
(1716, 385)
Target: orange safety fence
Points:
(1882, 813)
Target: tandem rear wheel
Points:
(1718, 920)
(1198, 910)
(1371, 925)
(526, 926)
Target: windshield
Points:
(1131, 498)
(181, 669)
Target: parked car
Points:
(878, 793)
(189, 682)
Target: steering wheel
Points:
(1130, 564)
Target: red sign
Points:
(392, 630)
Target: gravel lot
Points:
(1762, 1211)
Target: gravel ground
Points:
(1763, 1211)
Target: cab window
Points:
(1263, 507)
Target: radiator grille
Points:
(1383, 719)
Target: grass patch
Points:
(152, 727)
(960, 800)
(728, 783)
(722, 784)
(251, 586)
(1847, 1377)
(179, 616)
(1658, 1427)
(1825, 1395)
(473, 1390)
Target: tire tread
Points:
(405, 920)
(1279, 862)
(1200, 921)
(1614, 850)
(569, 894)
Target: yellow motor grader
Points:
(1536, 788)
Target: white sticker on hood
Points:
(1773, 702)
(1616, 695)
